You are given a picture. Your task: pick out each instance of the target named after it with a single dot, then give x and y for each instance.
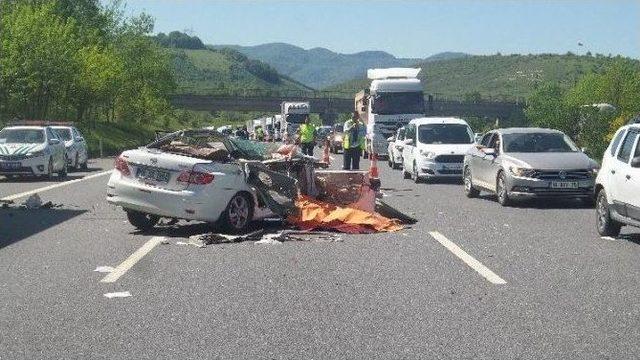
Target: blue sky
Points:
(409, 28)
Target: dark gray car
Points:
(525, 163)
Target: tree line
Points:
(582, 111)
(80, 60)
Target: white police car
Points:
(31, 150)
(76, 147)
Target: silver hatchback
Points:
(526, 163)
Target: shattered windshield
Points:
(445, 134)
(398, 103)
(21, 136)
(537, 143)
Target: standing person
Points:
(353, 142)
(307, 134)
(259, 134)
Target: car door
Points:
(408, 149)
(57, 150)
(79, 141)
(484, 162)
(621, 173)
(631, 190)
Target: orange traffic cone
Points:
(373, 168)
(325, 156)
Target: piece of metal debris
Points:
(33, 202)
(121, 294)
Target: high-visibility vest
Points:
(351, 134)
(306, 133)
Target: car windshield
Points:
(398, 103)
(445, 134)
(21, 136)
(296, 118)
(64, 134)
(537, 143)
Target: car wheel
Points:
(405, 173)
(414, 174)
(469, 189)
(84, 166)
(50, 169)
(606, 225)
(238, 214)
(142, 221)
(501, 190)
(62, 173)
(76, 164)
(390, 162)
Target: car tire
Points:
(238, 215)
(84, 166)
(501, 190)
(414, 175)
(49, 174)
(62, 173)
(469, 190)
(142, 221)
(390, 162)
(76, 163)
(606, 225)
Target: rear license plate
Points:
(564, 184)
(149, 173)
(9, 165)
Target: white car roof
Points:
(437, 120)
(62, 127)
(25, 127)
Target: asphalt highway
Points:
(430, 291)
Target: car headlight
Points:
(522, 172)
(35, 154)
(428, 154)
(594, 171)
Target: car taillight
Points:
(122, 166)
(195, 177)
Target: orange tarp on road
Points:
(314, 214)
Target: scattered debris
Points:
(387, 210)
(121, 294)
(33, 202)
(104, 269)
(269, 239)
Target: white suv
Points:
(618, 183)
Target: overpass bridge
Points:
(329, 104)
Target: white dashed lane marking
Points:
(468, 259)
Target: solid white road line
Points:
(468, 259)
(54, 186)
(132, 260)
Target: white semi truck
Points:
(293, 114)
(394, 98)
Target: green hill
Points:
(320, 67)
(498, 77)
(203, 71)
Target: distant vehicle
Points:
(32, 150)
(435, 148)
(322, 133)
(75, 146)
(526, 163)
(336, 138)
(618, 183)
(396, 144)
(394, 97)
(161, 180)
(292, 116)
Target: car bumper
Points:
(526, 188)
(31, 166)
(432, 169)
(183, 204)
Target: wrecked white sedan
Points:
(190, 174)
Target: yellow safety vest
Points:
(346, 138)
(306, 133)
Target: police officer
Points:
(353, 142)
(307, 134)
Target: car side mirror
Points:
(635, 162)
(391, 139)
(584, 149)
(408, 141)
(54, 142)
(489, 151)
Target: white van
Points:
(434, 147)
